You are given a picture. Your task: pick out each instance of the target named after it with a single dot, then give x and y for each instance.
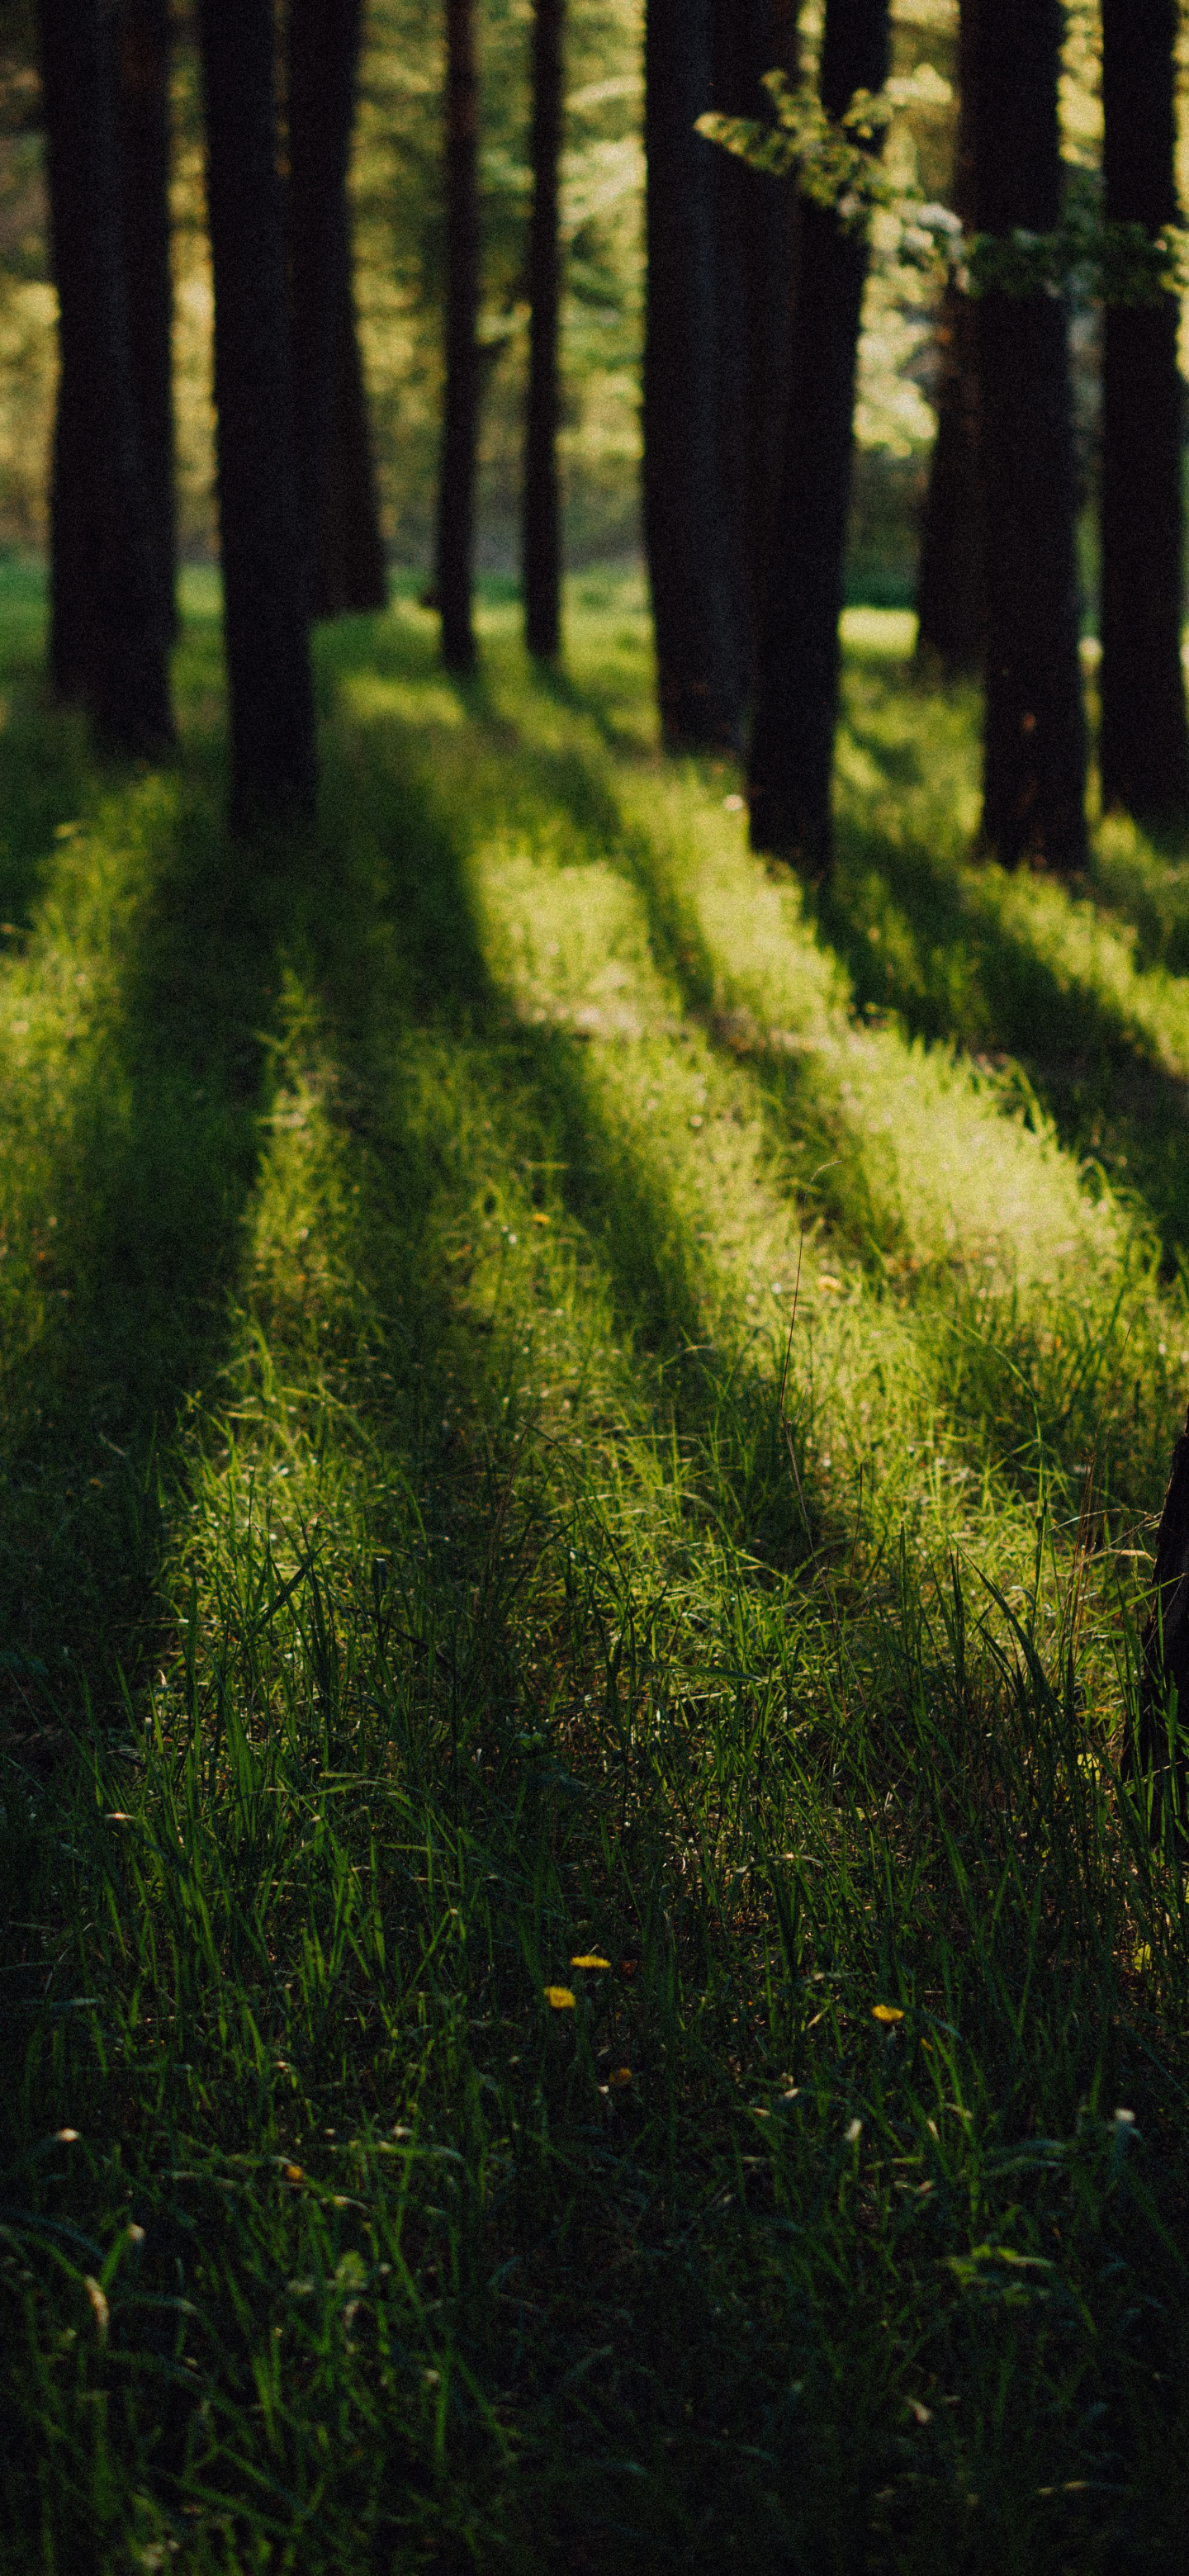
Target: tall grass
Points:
(547, 1447)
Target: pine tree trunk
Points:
(542, 499)
(144, 55)
(345, 555)
(757, 223)
(350, 575)
(1145, 738)
(273, 759)
(951, 583)
(699, 650)
(797, 701)
(1034, 748)
(460, 426)
(107, 647)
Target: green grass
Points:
(560, 1404)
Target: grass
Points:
(561, 1408)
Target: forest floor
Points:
(581, 1449)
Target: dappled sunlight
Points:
(651, 1476)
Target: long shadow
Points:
(542, 781)
(917, 939)
(125, 1220)
(630, 1210)
(417, 906)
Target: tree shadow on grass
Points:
(414, 898)
(132, 1148)
(920, 938)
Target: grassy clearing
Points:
(546, 1426)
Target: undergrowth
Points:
(581, 1987)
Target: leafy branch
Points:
(835, 164)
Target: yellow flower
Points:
(619, 2075)
(294, 2173)
(590, 1961)
(886, 2012)
(560, 1997)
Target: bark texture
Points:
(460, 426)
(273, 764)
(951, 585)
(344, 560)
(1034, 750)
(792, 746)
(1145, 739)
(350, 572)
(687, 532)
(107, 647)
(757, 225)
(542, 495)
(144, 59)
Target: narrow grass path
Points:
(580, 1984)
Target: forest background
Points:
(397, 189)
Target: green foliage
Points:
(627, 1453)
(834, 165)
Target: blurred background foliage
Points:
(399, 244)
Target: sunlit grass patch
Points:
(587, 1990)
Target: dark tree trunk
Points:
(757, 257)
(951, 584)
(273, 759)
(144, 176)
(107, 648)
(542, 499)
(350, 576)
(686, 531)
(792, 748)
(1145, 739)
(460, 426)
(345, 556)
(1034, 747)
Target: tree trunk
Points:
(273, 759)
(757, 223)
(460, 426)
(1145, 739)
(350, 575)
(1034, 747)
(796, 707)
(144, 175)
(951, 584)
(698, 647)
(107, 648)
(542, 500)
(344, 554)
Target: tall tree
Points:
(345, 558)
(686, 531)
(1034, 753)
(107, 644)
(1145, 739)
(273, 760)
(757, 226)
(350, 574)
(144, 60)
(460, 424)
(542, 498)
(792, 745)
(951, 584)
